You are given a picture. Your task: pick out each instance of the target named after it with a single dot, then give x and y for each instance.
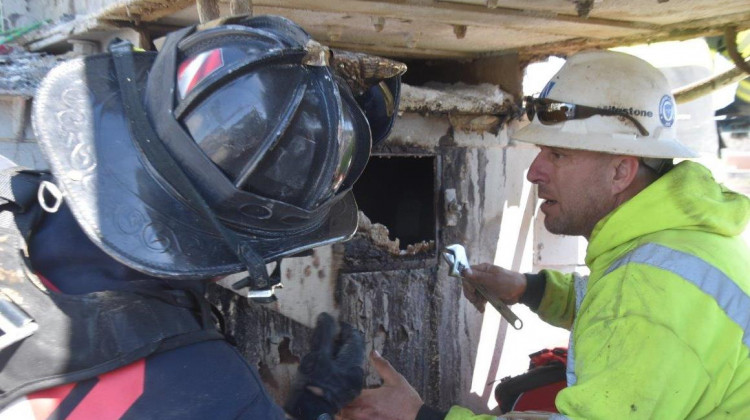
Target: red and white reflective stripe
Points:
(48, 284)
(194, 70)
(45, 402)
(113, 395)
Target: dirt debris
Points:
(378, 234)
(459, 98)
(21, 71)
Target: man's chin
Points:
(555, 228)
(551, 228)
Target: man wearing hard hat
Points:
(660, 329)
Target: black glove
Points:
(330, 376)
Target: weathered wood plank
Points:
(207, 10)
(240, 7)
(425, 29)
(677, 32)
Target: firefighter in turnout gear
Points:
(234, 146)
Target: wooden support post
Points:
(730, 38)
(704, 87)
(207, 10)
(241, 7)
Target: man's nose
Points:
(535, 175)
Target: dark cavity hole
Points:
(399, 192)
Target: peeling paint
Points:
(478, 124)
(456, 98)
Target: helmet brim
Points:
(555, 136)
(122, 203)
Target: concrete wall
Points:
(16, 136)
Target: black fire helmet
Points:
(235, 145)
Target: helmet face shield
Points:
(231, 124)
(266, 144)
(285, 145)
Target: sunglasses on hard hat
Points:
(552, 112)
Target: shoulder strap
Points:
(77, 337)
(19, 187)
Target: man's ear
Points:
(626, 169)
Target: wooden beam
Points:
(704, 87)
(207, 10)
(241, 7)
(400, 51)
(146, 10)
(447, 13)
(572, 33)
(730, 38)
(674, 32)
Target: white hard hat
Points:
(624, 106)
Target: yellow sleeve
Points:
(558, 303)
(461, 413)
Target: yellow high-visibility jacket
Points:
(661, 328)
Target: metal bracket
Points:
(452, 208)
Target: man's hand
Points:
(330, 375)
(394, 400)
(504, 284)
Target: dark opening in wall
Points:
(399, 192)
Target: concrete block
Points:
(15, 112)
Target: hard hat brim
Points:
(124, 206)
(554, 136)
